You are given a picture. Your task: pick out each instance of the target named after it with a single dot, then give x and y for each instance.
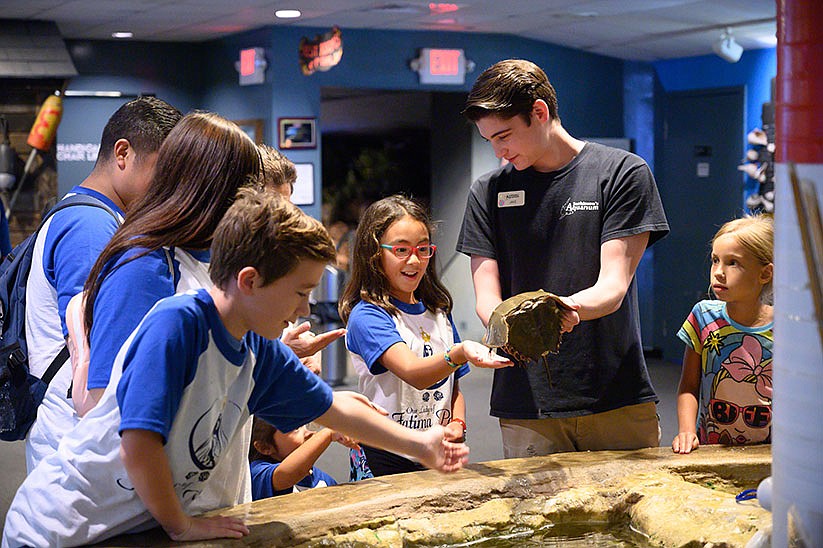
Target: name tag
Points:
(514, 198)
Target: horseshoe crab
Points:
(527, 326)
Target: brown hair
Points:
(263, 432)
(200, 166)
(509, 88)
(368, 282)
(264, 231)
(277, 170)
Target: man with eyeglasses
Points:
(573, 218)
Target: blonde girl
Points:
(725, 390)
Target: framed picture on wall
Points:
(304, 187)
(297, 133)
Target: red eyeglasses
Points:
(726, 412)
(402, 252)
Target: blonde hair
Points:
(756, 234)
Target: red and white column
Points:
(797, 427)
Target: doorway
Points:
(375, 143)
(701, 188)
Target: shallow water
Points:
(565, 535)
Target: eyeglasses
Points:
(425, 251)
(726, 412)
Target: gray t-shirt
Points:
(545, 231)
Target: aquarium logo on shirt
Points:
(570, 207)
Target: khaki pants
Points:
(631, 427)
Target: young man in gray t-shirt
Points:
(573, 218)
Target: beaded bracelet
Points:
(448, 359)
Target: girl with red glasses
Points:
(725, 392)
(400, 334)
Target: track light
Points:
(727, 48)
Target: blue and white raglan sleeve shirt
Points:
(125, 296)
(203, 411)
(262, 472)
(131, 288)
(65, 251)
(371, 331)
(153, 385)
(182, 375)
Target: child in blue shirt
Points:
(283, 462)
(70, 242)
(185, 383)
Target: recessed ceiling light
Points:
(122, 34)
(287, 14)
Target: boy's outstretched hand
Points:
(442, 455)
(685, 442)
(211, 527)
(354, 415)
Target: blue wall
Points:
(221, 92)
(598, 96)
(639, 92)
(204, 76)
(380, 60)
(754, 71)
(172, 73)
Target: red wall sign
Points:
(444, 62)
(247, 62)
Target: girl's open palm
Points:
(481, 355)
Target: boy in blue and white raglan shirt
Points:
(69, 244)
(283, 462)
(186, 381)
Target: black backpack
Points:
(21, 392)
